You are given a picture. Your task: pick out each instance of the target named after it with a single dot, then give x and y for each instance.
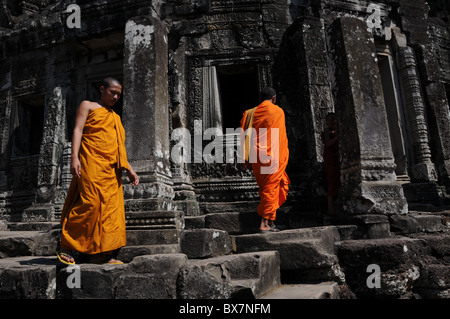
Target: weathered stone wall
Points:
(291, 45)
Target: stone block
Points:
(28, 243)
(151, 277)
(38, 213)
(414, 223)
(128, 253)
(33, 226)
(27, 278)
(430, 223)
(434, 281)
(205, 243)
(438, 243)
(304, 253)
(404, 224)
(194, 222)
(96, 281)
(233, 222)
(398, 260)
(389, 252)
(249, 275)
(323, 290)
(152, 237)
(372, 226)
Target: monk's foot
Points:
(114, 261)
(273, 228)
(102, 259)
(65, 257)
(269, 229)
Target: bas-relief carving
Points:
(423, 168)
(214, 20)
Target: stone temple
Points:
(190, 68)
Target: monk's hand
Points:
(133, 177)
(75, 167)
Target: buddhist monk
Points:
(331, 160)
(268, 154)
(93, 215)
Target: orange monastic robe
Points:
(269, 155)
(93, 216)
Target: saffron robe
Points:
(268, 154)
(93, 215)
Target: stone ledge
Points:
(305, 254)
(323, 290)
(28, 243)
(249, 275)
(205, 243)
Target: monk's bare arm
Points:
(80, 120)
(134, 178)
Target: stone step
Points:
(45, 243)
(305, 253)
(236, 223)
(391, 265)
(434, 281)
(28, 243)
(417, 222)
(205, 243)
(33, 226)
(28, 277)
(152, 237)
(323, 290)
(127, 253)
(247, 275)
(159, 276)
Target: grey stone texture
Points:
(321, 56)
(382, 66)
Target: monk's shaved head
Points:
(107, 82)
(267, 93)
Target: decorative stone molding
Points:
(414, 107)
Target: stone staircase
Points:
(219, 256)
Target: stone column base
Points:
(376, 197)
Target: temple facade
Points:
(190, 69)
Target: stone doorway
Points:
(238, 91)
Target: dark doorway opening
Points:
(239, 91)
(28, 131)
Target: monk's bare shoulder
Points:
(87, 106)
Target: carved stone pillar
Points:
(309, 44)
(422, 167)
(369, 183)
(184, 198)
(53, 139)
(146, 122)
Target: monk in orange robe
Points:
(266, 148)
(93, 216)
